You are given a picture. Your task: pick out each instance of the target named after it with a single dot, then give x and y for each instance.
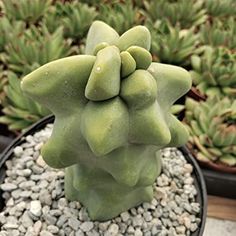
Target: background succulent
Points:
(179, 28)
(19, 111)
(36, 47)
(74, 17)
(214, 73)
(121, 16)
(220, 8)
(212, 126)
(219, 33)
(171, 44)
(25, 10)
(184, 13)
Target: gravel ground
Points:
(35, 202)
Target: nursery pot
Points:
(197, 174)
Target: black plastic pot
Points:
(197, 174)
(219, 183)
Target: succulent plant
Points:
(112, 109)
(212, 126)
(7, 34)
(19, 111)
(34, 48)
(75, 18)
(214, 74)
(171, 44)
(184, 13)
(121, 16)
(25, 10)
(219, 33)
(220, 8)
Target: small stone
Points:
(137, 220)
(2, 218)
(62, 203)
(138, 232)
(18, 151)
(10, 202)
(163, 180)
(130, 230)
(160, 193)
(25, 172)
(86, 226)
(79, 233)
(125, 216)
(74, 223)
(147, 216)
(45, 233)
(62, 219)
(25, 194)
(112, 230)
(37, 227)
(8, 187)
(20, 206)
(9, 226)
(51, 220)
(41, 162)
(26, 220)
(188, 168)
(37, 170)
(103, 226)
(35, 208)
(193, 227)
(53, 229)
(45, 197)
(180, 229)
(27, 184)
(187, 222)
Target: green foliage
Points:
(35, 47)
(121, 16)
(171, 44)
(220, 8)
(184, 13)
(214, 73)
(219, 33)
(25, 10)
(113, 114)
(19, 111)
(34, 32)
(75, 18)
(212, 126)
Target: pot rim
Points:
(197, 174)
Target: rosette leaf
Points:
(212, 126)
(214, 74)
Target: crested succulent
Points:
(184, 13)
(112, 116)
(19, 111)
(25, 10)
(212, 126)
(219, 33)
(214, 74)
(171, 44)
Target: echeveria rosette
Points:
(112, 116)
(214, 74)
(212, 126)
